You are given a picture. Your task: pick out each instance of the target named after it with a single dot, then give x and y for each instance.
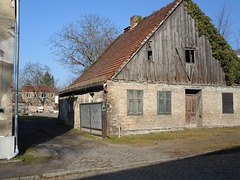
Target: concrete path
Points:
(70, 156)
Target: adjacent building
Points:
(38, 97)
(159, 74)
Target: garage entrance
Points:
(93, 118)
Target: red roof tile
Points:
(35, 88)
(120, 50)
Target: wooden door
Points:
(191, 110)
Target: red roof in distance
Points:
(35, 88)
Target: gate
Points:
(92, 117)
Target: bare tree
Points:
(80, 43)
(35, 76)
(237, 39)
(223, 21)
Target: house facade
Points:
(38, 97)
(7, 39)
(160, 74)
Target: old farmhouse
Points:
(160, 74)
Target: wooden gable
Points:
(175, 54)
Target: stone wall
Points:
(151, 122)
(116, 102)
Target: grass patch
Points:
(28, 157)
(81, 133)
(186, 135)
(28, 118)
(185, 142)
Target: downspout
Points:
(16, 80)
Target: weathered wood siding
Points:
(168, 46)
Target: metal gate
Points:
(92, 117)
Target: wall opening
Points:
(192, 91)
(190, 56)
(1, 110)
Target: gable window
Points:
(28, 95)
(44, 95)
(134, 102)
(164, 102)
(149, 53)
(190, 56)
(227, 103)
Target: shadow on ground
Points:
(223, 164)
(35, 130)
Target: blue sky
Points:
(41, 18)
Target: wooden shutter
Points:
(134, 102)
(139, 102)
(130, 102)
(161, 107)
(168, 102)
(164, 102)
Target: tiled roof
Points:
(120, 50)
(35, 88)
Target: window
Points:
(44, 95)
(150, 57)
(52, 96)
(28, 95)
(135, 102)
(35, 95)
(190, 56)
(227, 103)
(164, 102)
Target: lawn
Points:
(185, 142)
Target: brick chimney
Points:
(134, 20)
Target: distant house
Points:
(34, 97)
(7, 40)
(160, 74)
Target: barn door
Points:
(193, 108)
(92, 117)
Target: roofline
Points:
(145, 40)
(83, 90)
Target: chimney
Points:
(134, 20)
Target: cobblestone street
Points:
(217, 165)
(70, 156)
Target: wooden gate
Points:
(193, 109)
(92, 118)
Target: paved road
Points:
(222, 165)
(69, 153)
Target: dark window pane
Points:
(227, 103)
